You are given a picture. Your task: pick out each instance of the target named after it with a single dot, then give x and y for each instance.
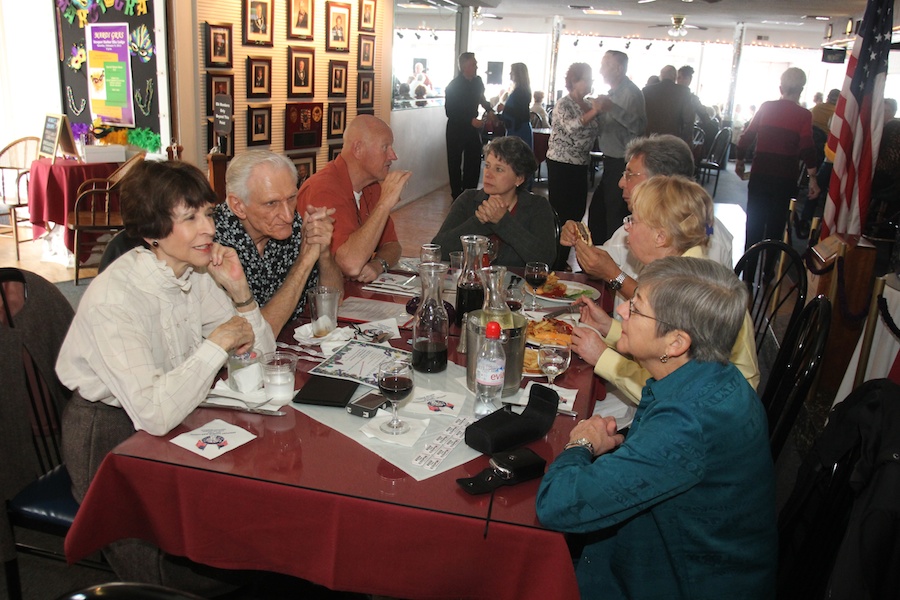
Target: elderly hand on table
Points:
(601, 432)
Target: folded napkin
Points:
(304, 335)
(223, 395)
(616, 405)
(213, 439)
(566, 396)
(416, 429)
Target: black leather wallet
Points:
(507, 468)
(326, 391)
(504, 429)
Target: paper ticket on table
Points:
(213, 439)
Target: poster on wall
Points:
(302, 125)
(109, 74)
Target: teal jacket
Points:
(685, 508)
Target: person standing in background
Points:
(463, 97)
(516, 113)
(668, 106)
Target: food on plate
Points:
(583, 232)
(549, 331)
(553, 287)
(530, 365)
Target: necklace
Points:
(71, 98)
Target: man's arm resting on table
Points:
(281, 306)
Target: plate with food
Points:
(548, 331)
(530, 367)
(556, 290)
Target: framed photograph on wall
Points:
(301, 68)
(337, 119)
(218, 46)
(367, 15)
(365, 58)
(337, 78)
(365, 111)
(306, 166)
(365, 90)
(259, 124)
(257, 22)
(218, 84)
(300, 19)
(303, 125)
(337, 27)
(334, 151)
(226, 142)
(259, 76)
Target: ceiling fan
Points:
(678, 28)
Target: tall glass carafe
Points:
(495, 307)
(431, 324)
(469, 287)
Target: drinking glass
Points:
(395, 382)
(430, 253)
(536, 274)
(553, 359)
(515, 298)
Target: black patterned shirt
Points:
(265, 273)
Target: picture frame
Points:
(367, 15)
(306, 166)
(219, 54)
(337, 27)
(334, 151)
(365, 111)
(259, 124)
(228, 149)
(365, 90)
(300, 19)
(301, 72)
(259, 76)
(218, 83)
(303, 123)
(365, 53)
(337, 120)
(258, 20)
(338, 70)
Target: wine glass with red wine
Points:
(536, 274)
(395, 382)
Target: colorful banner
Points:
(109, 74)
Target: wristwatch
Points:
(384, 264)
(616, 284)
(583, 442)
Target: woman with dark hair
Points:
(574, 130)
(520, 224)
(516, 112)
(684, 505)
(151, 334)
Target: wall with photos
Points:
(298, 71)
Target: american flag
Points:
(857, 123)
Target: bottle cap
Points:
(492, 330)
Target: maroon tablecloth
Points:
(53, 189)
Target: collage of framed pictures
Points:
(302, 67)
(365, 90)
(217, 83)
(306, 166)
(257, 22)
(259, 76)
(302, 125)
(337, 119)
(218, 46)
(337, 78)
(337, 27)
(300, 19)
(365, 59)
(259, 125)
(367, 15)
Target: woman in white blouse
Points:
(575, 127)
(152, 332)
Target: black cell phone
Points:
(366, 406)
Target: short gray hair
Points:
(792, 81)
(663, 155)
(241, 168)
(700, 297)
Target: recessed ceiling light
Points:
(689, 1)
(767, 22)
(816, 17)
(608, 13)
(419, 6)
(645, 1)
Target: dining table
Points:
(53, 189)
(306, 500)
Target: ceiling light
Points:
(849, 29)
(580, 7)
(605, 13)
(816, 17)
(477, 19)
(645, 1)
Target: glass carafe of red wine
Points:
(469, 287)
(495, 307)
(431, 325)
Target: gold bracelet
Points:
(246, 302)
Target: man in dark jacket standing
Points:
(669, 108)
(463, 96)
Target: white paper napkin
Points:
(615, 405)
(213, 439)
(566, 396)
(304, 335)
(435, 402)
(223, 395)
(416, 428)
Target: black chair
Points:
(116, 247)
(535, 120)
(795, 370)
(128, 591)
(35, 485)
(717, 160)
(776, 278)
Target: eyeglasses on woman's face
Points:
(632, 310)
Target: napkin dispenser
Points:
(504, 429)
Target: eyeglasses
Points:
(633, 311)
(629, 175)
(629, 221)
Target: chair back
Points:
(128, 591)
(775, 276)
(15, 162)
(97, 209)
(795, 370)
(117, 175)
(718, 152)
(535, 120)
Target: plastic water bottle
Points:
(490, 371)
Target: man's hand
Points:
(814, 190)
(369, 272)
(477, 123)
(568, 234)
(588, 345)
(596, 262)
(603, 103)
(491, 210)
(392, 186)
(318, 226)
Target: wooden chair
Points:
(15, 165)
(36, 489)
(96, 212)
(717, 160)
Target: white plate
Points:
(572, 287)
(530, 374)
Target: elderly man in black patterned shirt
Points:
(283, 255)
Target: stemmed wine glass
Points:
(553, 359)
(536, 274)
(395, 382)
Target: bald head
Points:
(361, 128)
(368, 150)
(668, 72)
